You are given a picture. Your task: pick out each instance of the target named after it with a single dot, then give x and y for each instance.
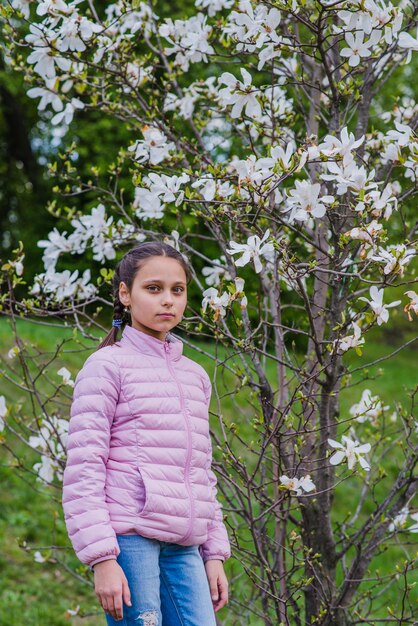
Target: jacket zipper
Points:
(189, 439)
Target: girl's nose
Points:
(167, 297)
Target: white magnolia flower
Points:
(189, 40)
(48, 96)
(43, 58)
(411, 305)
(304, 201)
(357, 47)
(252, 170)
(74, 31)
(215, 301)
(66, 376)
(213, 6)
(402, 135)
(66, 115)
(332, 146)
(351, 450)
(253, 249)
(211, 187)
(395, 258)
(407, 41)
(13, 352)
(351, 341)
(167, 187)
(253, 27)
(148, 204)
(75, 611)
(3, 411)
(55, 245)
(240, 94)
(349, 177)
(45, 469)
(153, 148)
(297, 484)
(400, 520)
(414, 527)
(37, 556)
(367, 233)
(215, 272)
(369, 408)
(23, 6)
(376, 303)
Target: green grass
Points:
(39, 594)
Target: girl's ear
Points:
(124, 294)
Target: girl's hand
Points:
(218, 583)
(111, 587)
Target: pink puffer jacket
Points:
(139, 451)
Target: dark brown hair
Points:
(126, 271)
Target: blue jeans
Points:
(168, 584)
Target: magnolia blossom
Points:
(304, 202)
(23, 6)
(395, 258)
(239, 293)
(55, 245)
(215, 272)
(240, 94)
(38, 558)
(63, 285)
(13, 352)
(376, 303)
(167, 187)
(414, 527)
(407, 41)
(351, 450)
(253, 249)
(253, 27)
(411, 305)
(400, 520)
(213, 6)
(153, 148)
(211, 187)
(216, 302)
(252, 170)
(3, 411)
(350, 341)
(357, 47)
(74, 31)
(189, 38)
(297, 484)
(368, 234)
(148, 204)
(332, 146)
(349, 177)
(48, 96)
(66, 376)
(66, 115)
(42, 56)
(369, 408)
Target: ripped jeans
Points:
(168, 584)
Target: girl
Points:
(139, 495)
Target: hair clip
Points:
(117, 323)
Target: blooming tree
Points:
(264, 147)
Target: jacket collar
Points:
(147, 344)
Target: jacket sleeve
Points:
(217, 545)
(96, 394)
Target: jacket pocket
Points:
(142, 495)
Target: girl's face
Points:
(158, 296)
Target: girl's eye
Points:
(176, 289)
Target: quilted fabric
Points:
(139, 451)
